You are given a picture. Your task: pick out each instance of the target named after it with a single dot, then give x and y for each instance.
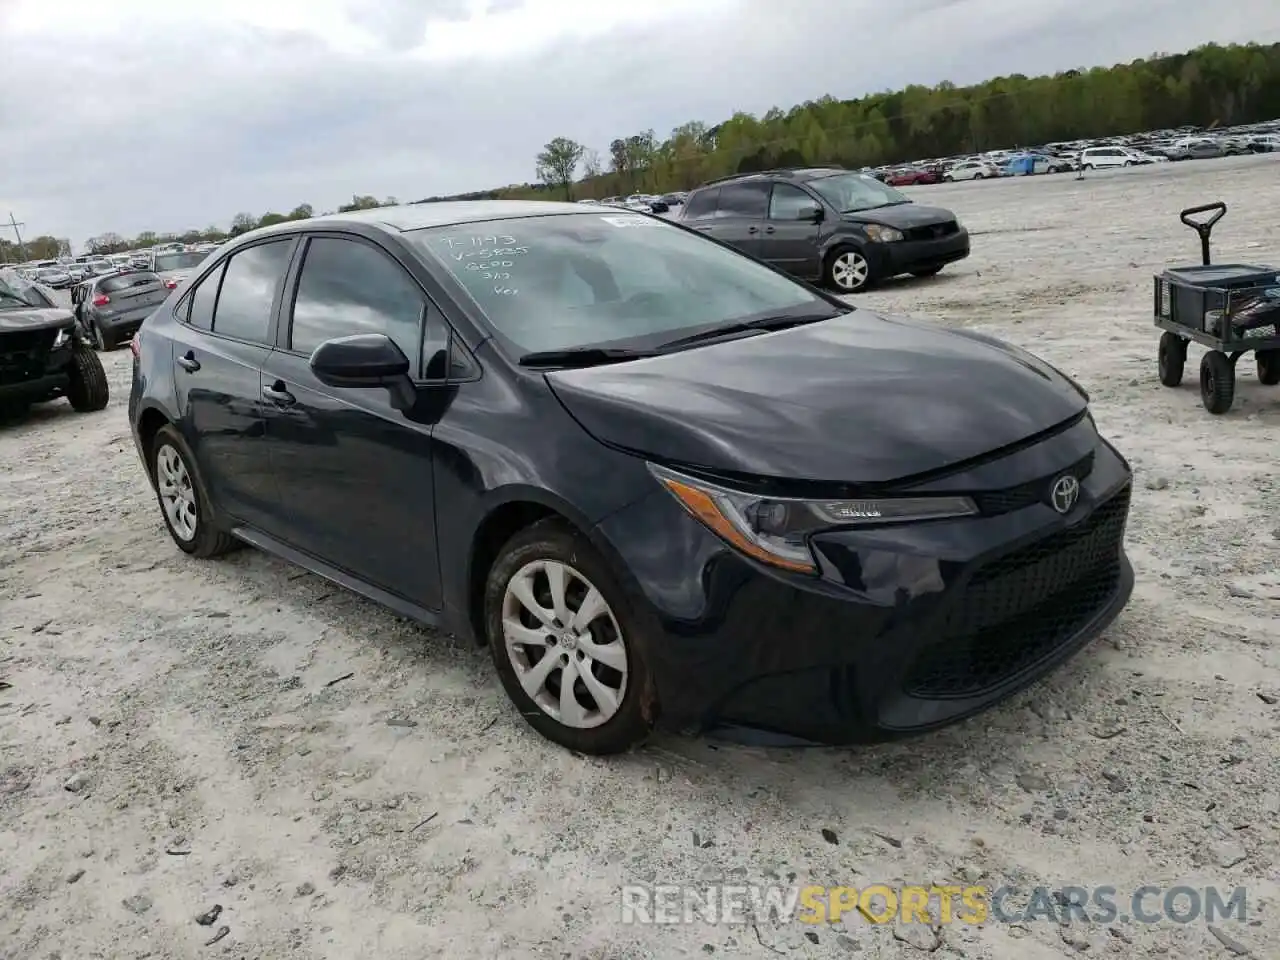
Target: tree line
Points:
(1212, 85)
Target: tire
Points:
(1171, 359)
(977, 176)
(847, 270)
(1127, 163)
(1268, 367)
(931, 272)
(1217, 382)
(88, 390)
(181, 495)
(533, 557)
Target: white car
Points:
(1102, 158)
(972, 170)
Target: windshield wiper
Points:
(581, 357)
(759, 325)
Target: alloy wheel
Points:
(850, 270)
(177, 494)
(565, 644)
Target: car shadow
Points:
(36, 415)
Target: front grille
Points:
(933, 232)
(1020, 608)
(1034, 491)
(23, 354)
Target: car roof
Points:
(418, 216)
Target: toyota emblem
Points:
(1065, 493)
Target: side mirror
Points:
(811, 214)
(365, 360)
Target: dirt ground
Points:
(343, 784)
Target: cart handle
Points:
(1204, 227)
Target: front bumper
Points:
(906, 256)
(31, 368)
(908, 629)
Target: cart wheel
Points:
(1268, 367)
(1172, 358)
(1217, 382)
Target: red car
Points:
(910, 177)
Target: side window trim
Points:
(293, 278)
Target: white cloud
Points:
(155, 114)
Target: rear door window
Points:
(205, 295)
(248, 291)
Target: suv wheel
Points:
(88, 390)
(183, 504)
(848, 270)
(565, 643)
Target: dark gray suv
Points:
(845, 229)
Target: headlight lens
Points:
(882, 234)
(63, 336)
(775, 530)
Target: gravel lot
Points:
(180, 734)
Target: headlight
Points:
(63, 336)
(776, 530)
(881, 233)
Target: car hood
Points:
(36, 318)
(903, 216)
(861, 398)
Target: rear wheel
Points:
(977, 176)
(848, 270)
(1171, 358)
(565, 642)
(182, 501)
(1268, 367)
(88, 390)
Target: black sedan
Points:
(662, 481)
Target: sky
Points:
(167, 115)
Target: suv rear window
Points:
(127, 280)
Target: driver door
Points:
(791, 234)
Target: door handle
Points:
(188, 362)
(753, 230)
(703, 229)
(768, 229)
(277, 393)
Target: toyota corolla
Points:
(663, 482)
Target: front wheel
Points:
(1172, 357)
(88, 390)
(848, 271)
(977, 176)
(1217, 382)
(565, 642)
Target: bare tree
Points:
(592, 165)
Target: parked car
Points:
(837, 227)
(1100, 158)
(662, 481)
(55, 277)
(1196, 148)
(910, 177)
(972, 170)
(172, 267)
(42, 354)
(111, 308)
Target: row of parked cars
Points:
(1084, 155)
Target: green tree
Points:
(558, 163)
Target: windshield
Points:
(15, 292)
(850, 192)
(49, 273)
(166, 262)
(572, 280)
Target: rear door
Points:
(228, 325)
(741, 214)
(789, 241)
(356, 473)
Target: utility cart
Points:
(1229, 308)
